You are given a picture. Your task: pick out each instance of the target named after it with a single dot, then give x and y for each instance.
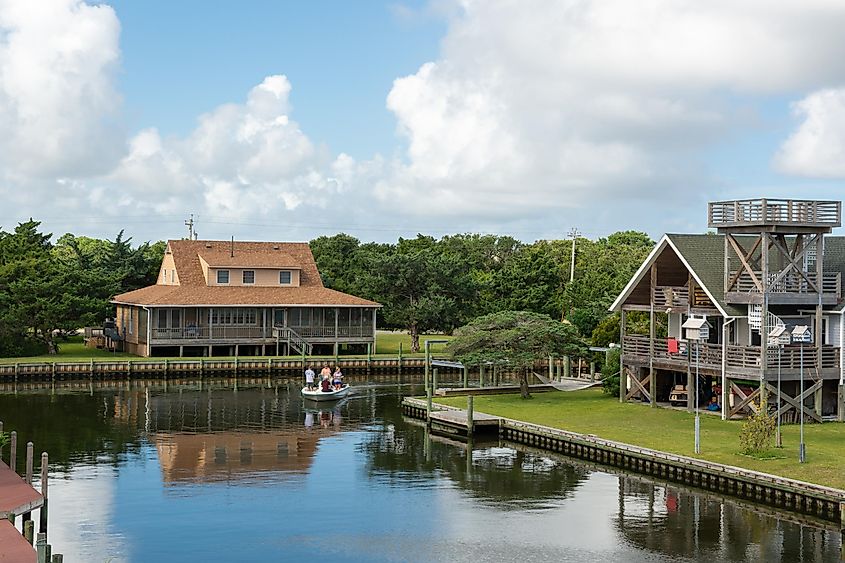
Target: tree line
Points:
(424, 284)
(428, 285)
(47, 289)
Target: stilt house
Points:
(772, 265)
(221, 298)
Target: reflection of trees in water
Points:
(72, 428)
(401, 452)
(680, 523)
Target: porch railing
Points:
(738, 357)
(211, 333)
(792, 282)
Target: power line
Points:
(573, 233)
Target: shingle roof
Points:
(706, 256)
(193, 289)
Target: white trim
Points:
(617, 303)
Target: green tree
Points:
(515, 339)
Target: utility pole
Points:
(190, 224)
(573, 233)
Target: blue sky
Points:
(290, 120)
(181, 59)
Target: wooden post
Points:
(841, 405)
(29, 451)
(652, 335)
(28, 530)
(42, 514)
(466, 377)
(764, 320)
(41, 548)
(428, 405)
(558, 369)
(842, 523)
(818, 400)
(434, 378)
(470, 417)
(481, 375)
(400, 358)
(623, 380)
(57, 558)
(567, 366)
(551, 369)
(13, 450)
(593, 375)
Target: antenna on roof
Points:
(192, 235)
(232, 251)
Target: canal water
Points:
(204, 472)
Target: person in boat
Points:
(309, 378)
(326, 372)
(325, 385)
(338, 378)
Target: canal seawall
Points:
(152, 368)
(821, 502)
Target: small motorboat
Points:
(331, 395)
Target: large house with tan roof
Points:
(222, 298)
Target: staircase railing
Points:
(293, 340)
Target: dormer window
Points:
(249, 277)
(223, 276)
(284, 277)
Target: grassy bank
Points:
(590, 412)
(74, 350)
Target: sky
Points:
(275, 120)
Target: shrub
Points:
(757, 433)
(610, 373)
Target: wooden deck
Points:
(16, 495)
(498, 390)
(13, 546)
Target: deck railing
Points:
(738, 357)
(670, 296)
(774, 211)
(792, 282)
(216, 332)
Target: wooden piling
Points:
(434, 378)
(470, 417)
(57, 558)
(29, 531)
(592, 371)
(481, 375)
(400, 358)
(466, 377)
(29, 451)
(41, 548)
(42, 514)
(567, 366)
(428, 394)
(13, 450)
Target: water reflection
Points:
(382, 483)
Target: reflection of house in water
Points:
(693, 525)
(221, 456)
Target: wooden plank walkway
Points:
(498, 390)
(459, 418)
(13, 546)
(16, 495)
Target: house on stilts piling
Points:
(222, 298)
(771, 266)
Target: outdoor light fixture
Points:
(778, 338)
(696, 329)
(801, 334)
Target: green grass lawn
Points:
(74, 350)
(668, 430)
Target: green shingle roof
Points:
(705, 254)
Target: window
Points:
(284, 277)
(222, 276)
(249, 276)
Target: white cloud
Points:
(533, 112)
(537, 106)
(817, 147)
(58, 104)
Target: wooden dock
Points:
(497, 390)
(17, 497)
(454, 423)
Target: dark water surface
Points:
(256, 474)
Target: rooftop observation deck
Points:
(784, 215)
